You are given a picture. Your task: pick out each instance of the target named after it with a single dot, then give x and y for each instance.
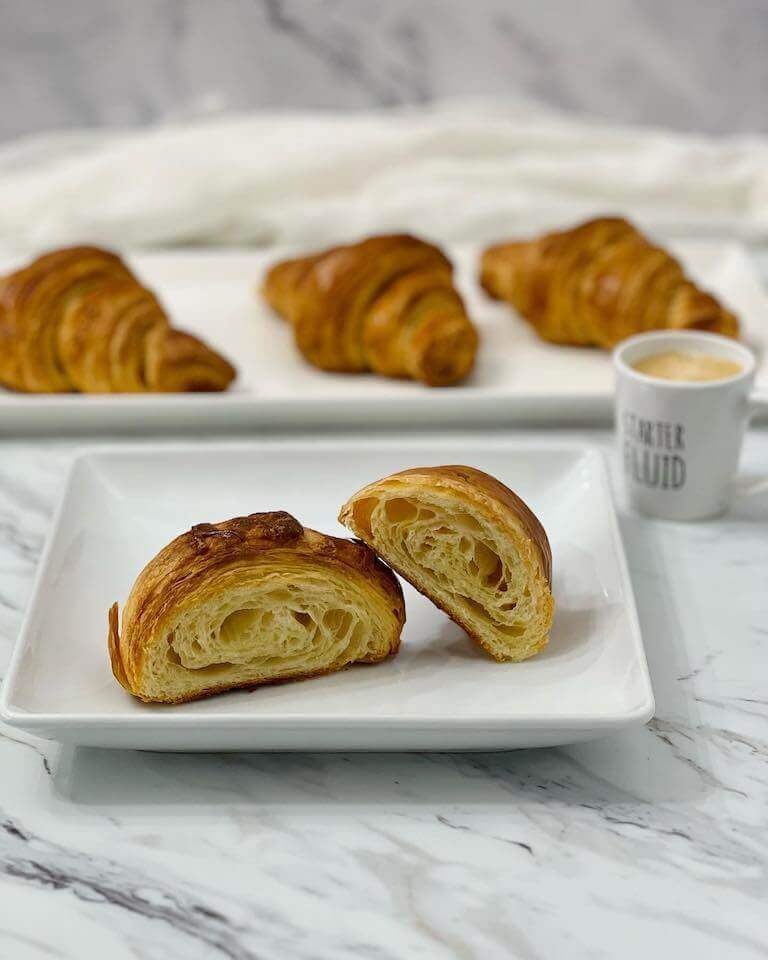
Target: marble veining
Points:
(686, 64)
(652, 840)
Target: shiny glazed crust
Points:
(77, 319)
(386, 304)
(265, 561)
(599, 283)
(470, 544)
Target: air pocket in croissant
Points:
(250, 601)
(469, 544)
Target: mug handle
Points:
(757, 404)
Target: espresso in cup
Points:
(687, 366)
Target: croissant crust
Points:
(470, 544)
(77, 319)
(598, 283)
(252, 600)
(386, 304)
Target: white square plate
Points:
(517, 378)
(440, 692)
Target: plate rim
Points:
(11, 714)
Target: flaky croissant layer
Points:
(468, 543)
(386, 304)
(77, 319)
(598, 283)
(249, 601)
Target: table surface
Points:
(652, 839)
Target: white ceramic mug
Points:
(680, 440)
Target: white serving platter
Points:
(441, 692)
(518, 378)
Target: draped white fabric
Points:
(458, 171)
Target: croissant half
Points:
(599, 283)
(249, 601)
(469, 544)
(386, 304)
(77, 319)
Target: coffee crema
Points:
(681, 365)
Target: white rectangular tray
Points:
(518, 378)
(440, 692)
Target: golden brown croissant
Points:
(77, 319)
(599, 283)
(468, 543)
(253, 600)
(386, 304)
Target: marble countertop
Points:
(625, 60)
(654, 839)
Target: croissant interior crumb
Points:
(252, 600)
(477, 570)
(278, 625)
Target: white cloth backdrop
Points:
(461, 171)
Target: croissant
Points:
(599, 283)
(77, 319)
(469, 544)
(386, 304)
(250, 601)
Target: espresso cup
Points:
(680, 440)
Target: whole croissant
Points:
(386, 304)
(599, 283)
(77, 319)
